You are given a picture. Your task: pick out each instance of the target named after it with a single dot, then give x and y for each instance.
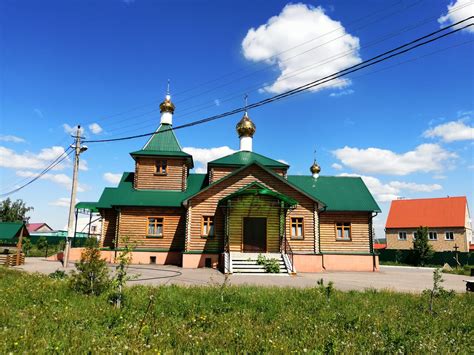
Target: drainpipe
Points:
(319, 237)
(117, 226)
(371, 241)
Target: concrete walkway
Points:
(401, 279)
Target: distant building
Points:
(38, 227)
(447, 220)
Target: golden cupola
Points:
(167, 105)
(167, 110)
(245, 129)
(315, 169)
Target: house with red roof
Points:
(38, 227)
(447, 219)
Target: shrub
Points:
(58, 275)
(270, 265)
(26, 246)
(92, 276)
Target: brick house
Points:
(447, 220)
(246, 204)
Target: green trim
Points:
(256, 188)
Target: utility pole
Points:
(78, 149)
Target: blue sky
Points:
(405, 125)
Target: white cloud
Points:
(204, 155)
(60, 179)
(391, 191)
(72, 129)
(95, 128)
(10, 159)
(324, 40)
(10, 138)
(336, 166)
(451, 131)
(457, 11)
(217, 102)
(112, 178)
(341, 93)
(61, 202)
(283, 161)
(424, 158)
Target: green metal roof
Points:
(255, 188)
(242, 158)
(10, 230)
(163, 140)
(339, 193)
(91, 206)
(126, 195)
(163, 143)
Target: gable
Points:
(251, 174)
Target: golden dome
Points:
(167, 105)
(315, 168)
(245, 127)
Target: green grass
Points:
(39, 314)
(465, 270)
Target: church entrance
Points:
(255, 235)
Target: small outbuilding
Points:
(11, 239)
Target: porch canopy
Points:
(89, 206)
(257, 189)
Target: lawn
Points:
(39, 314)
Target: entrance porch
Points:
(255, 225)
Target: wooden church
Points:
(244, 206)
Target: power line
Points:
(372, 61)
(56, 162)
(200, 107)
(363, 18)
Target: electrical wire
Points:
(363, 18)
(200, 107)
(370, 62)
(56, 162)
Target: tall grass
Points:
(39, 314)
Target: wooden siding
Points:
(146, 177)
(134, 224)
(109, 219)
(254, 206)
(359, 232)
(206, 204)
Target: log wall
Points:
(147, 178)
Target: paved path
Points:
(402, 279)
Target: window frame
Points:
(148, 235)
(402, 239)
(204, 222)
(342, 239)
(435, 236)
(446, 234)
(159, 163)
(296, 236)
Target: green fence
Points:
(439, 258)
(54, 240)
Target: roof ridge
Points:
(431, 198)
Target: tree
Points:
(14, 211)
(42, 243)
(26, 246)
(422, 249)
(92, 276)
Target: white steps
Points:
(246, 263)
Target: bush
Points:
(270, 265)
(92, 276)
(58, 275)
